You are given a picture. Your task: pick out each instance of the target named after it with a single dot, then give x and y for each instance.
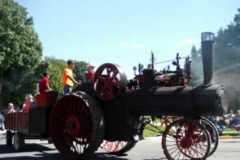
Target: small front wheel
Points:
(9, 136)
(19, 141)
(50, 140)
(186, 139)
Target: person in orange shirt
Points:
(67, 77)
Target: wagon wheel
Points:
(18, 141)
(9, 136)
(179, 142)
(76, 125)
(214, 134)
(49, 140)
(118, 147)
(107, 88)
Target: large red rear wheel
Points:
(118, 147)
(109, 81)
(76, 125)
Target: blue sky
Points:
(125, 31)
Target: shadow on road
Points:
(57, 156)
(43, 155)
(27, 148)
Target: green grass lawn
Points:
(151, 131)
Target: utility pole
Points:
(152, 59)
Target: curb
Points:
(229, 137)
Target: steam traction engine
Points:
(110, 112)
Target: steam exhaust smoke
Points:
(207, 39)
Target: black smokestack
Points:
(207, 56)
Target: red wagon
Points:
(29, 124)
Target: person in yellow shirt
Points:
(67, 77)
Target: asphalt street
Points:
(149, 149)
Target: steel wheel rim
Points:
(212, 126)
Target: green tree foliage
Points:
(79, 69)
(55, 67)
(227, 49)
(194, 52)
(20, 52)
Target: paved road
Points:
(144, 150)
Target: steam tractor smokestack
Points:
(207, 39)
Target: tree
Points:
(20, 53)
(227, 50)
(55, 67)
(194, 52)
(79, 68)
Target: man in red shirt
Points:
(44, 84)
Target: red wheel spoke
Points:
(108, 72)
(101, 78)
(115, 73)
(103, 89)
(110, 93)
(115, 84)
(117, 145)
(113, 147)
(105, 78)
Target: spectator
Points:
(10, 109)
(29, 101)
(235, 122)
(210, 130)
(89, 74)
(230, 116)
(221, 124)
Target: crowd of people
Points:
(230, 120)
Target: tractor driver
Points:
(67, 78)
